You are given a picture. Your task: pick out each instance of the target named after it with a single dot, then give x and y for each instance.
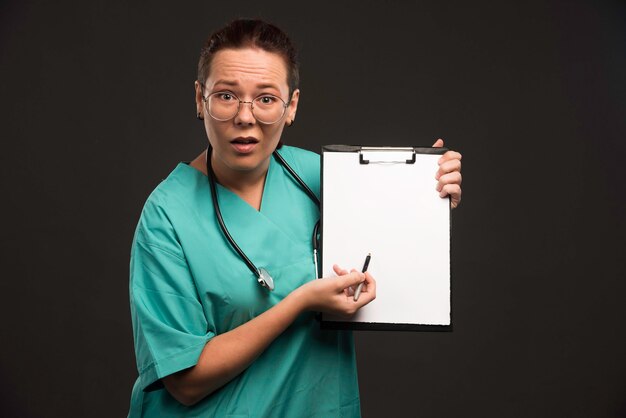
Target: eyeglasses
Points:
(224, 105)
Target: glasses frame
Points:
(205, 99)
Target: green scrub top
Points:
(188, 285)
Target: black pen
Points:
(357, 292)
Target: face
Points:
(242, 145)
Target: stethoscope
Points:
(263, 276)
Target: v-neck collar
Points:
(268, 177)
(224, 190)
(241, 218)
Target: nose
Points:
(245, 115)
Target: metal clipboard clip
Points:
(363, 150)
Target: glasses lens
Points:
(268, 108)
(223, 106)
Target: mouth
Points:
(244, 141)
(244, 145)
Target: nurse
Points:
(210, 339)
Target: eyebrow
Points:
(259, 86)
(227, 82)
(267, 86)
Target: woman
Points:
(209, 340)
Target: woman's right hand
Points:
(335, 294)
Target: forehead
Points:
(248, 65)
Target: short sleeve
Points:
(169, 325)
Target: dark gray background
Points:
(97, 107)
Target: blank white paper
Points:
(394, 212)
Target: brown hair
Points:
(242, 33)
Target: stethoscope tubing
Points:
(220, 219)
(218, 213)
(298, 179)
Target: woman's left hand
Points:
(449, 175)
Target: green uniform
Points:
(188, 285)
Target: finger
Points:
(450, 155)
(455, 200)
(454, 191)
(368, 293)
(351, 289)
(450, 190)
(363, 284)
(448, 167)
(438, 143)
(450, 178)
(367, 279)
(339, 271)
(350, 279)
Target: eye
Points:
(225, 96)
(267, 100)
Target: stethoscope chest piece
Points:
(265, 279)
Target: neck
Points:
(248, 185)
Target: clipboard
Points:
(383, 201)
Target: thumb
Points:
(351, 279)
(339, 271)
(438, 143)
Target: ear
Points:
(199, 99)
(293, 106)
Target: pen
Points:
(357, 292)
